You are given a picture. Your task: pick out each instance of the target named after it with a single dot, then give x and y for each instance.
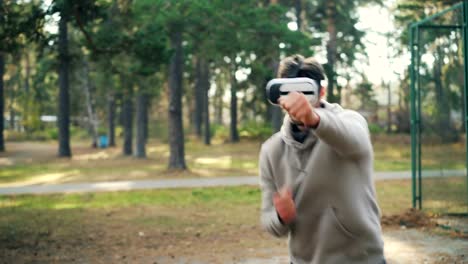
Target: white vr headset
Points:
(283, 86)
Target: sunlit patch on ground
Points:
(160, 149)
(92, 156)
(43, 178)
(218, 162)
(6, 161)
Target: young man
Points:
(316, 178)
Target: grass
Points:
(392, 153)
(202, 222)
(394, 196)
(169, 197)
(161, 222)
(448, 194)
(27, 219)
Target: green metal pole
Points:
(441, 13)
(413, 118)
(465, 67)
(418, 115)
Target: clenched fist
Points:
(284, 205)
(299, 109)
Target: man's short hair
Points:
(298, 66)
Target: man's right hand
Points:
(284, 205)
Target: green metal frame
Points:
(415, 91)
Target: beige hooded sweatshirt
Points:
(330, 175)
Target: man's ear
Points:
(322, 91)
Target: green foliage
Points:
(256, 130)
(365, 93)
(102, 131)
(220, 132)
(46, 134)
(21, 21)
(49, 133)
(440, 79)
(376, 128)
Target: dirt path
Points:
(401, 247)
(37, 152)
(27, 152)
(415, 246)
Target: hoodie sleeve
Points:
(269, 217)
(346, 132)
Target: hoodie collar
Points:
(288, 138)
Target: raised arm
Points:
(346, 131)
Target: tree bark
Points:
(331, 51)
(234, 134)
(93, 123)
(206, 101)
(12, 116)
(403, 123)
(27, 100)
(128, 122)
(141, 112)
(218, 104)
(176, 129)
(276, 112)
(199, 91)
(2, 103)
(298, 7)
(389, 109)
(111, 119)
(146, 118)
(445, 127)
(276, 119)
(64, 97)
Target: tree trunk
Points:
(146, 118)
(2, 103)
(331, 52)
(128, 122)
(93, 123)
(234, 134)
(64, 97)
(199, 97)
(445, 128)
(176, 129)
(276, 119)
(12, 93)
(389, 109)
(141, 112)
(27, 85)
(298, 7)
(120, 104)
(275, 111)
(12, 116)
(111, 119)
(403, 122)
(218, 104)
(206, 100)
(28, 72)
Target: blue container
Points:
(103, 141)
